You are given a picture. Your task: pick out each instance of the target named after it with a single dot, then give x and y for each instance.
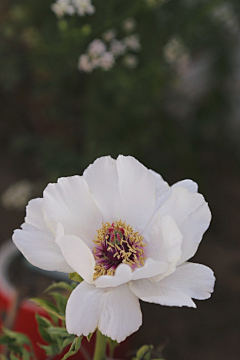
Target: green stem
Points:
(100, 347)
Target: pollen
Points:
(117, 243)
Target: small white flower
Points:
(84, 63)
(175, 53)
(107, 61)
(128, 234)
(83, 7)
(117, 47)
(132, 42)
(96, 48)
(131, 61)
(109, 35)
(129, 25)
(62, 7)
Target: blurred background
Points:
(161, 83)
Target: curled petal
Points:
(37, 242)
(78, 255)
(192, 216)
(192, 186)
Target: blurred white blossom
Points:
(109, 35)
(175, 53)
(107, 60)
(96, 48)
(83, 7)
(84, 63)
(71, 7)
(17, 195)
(130, 61)
(103, 54)
(133, 42)
(62, 7)
(129, 25)
(225, 14)
(117, 47)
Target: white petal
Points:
(34, 214)
(158, 293)
(137, 192)
(122, 189)
(192, 216)
(102, 179)
(120, 314)
(70, 203)
(150, 268)
(40, 249)
(115, 311)
(82, 311)
(122, 275)
(188, 184)
(165, 241)
(163, 190)
(78, 255)
(194, 280)
(188, 281)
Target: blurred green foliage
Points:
(157, 112)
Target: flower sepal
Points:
(75, 277)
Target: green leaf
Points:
(67, 341)
(49, 307)
(26, 355)
(19, 338)
(50, 350)
(61, 301)
(13, 357)
(76, 344)
(43, 324)
(5, 340)
(144, 352)
(61, 285)
(75, 277)
(56, 331)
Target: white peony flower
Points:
(128, 234)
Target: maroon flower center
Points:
(117, 243)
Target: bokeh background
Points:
(176, 108)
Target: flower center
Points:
(116, 243)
